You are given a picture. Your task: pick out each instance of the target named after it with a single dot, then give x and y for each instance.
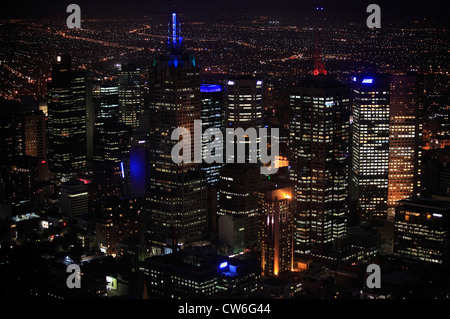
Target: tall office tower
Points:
(244, 107)
(112, 141)
(35, 138)
(421, 230)
(73, 199)
(90, 126)
(176, 205)
(238, 182)
(404, 139)
(106, 99)
(276, 230)
(238, 205)
(112, 158)
(244, 102)
(131, 98)
(66, 119)
(212, 116)
(370, 146)
(320, 146)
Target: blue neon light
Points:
(367, 81)
(174, 39)
(223, 265)
(354, 79)
(122, 170)
(209, 88)
(174, 28)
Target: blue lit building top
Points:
(209, 88)
(174, 40)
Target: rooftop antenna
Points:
(174, 40)
(319, 65)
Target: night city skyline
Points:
(224, 153)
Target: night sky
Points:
(346, 9)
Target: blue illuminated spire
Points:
(174, 39)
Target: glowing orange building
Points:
(275, 231)
(404, 139)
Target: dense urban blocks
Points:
(96, 200)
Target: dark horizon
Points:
(346, 9)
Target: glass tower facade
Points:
(176, 205)
(370, 146)
(67, 148)
(404, 139)
(319, 142)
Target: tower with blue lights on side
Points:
(176, 204)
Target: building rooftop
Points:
(427, 203)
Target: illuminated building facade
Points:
(199, 273)
(131, 98)
(73, 199)
(24, 133)
(238, 182)
(111, 141)
(276, 230)
(421, 230)
(212, 116)
(405, 134)
(244, 98)
(244, 107)
(238, 199)
(320, 145)
(67, 146)
(370, 146)
(176, 205)
(119, 218)
(35, 137)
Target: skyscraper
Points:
(238, 200)
(319, 142)
(238, 183)
(131, 98)
(404, 139)
(111, 142)
(370, 146)
(35, 137)
(244, 107)
(244, 102)
(66, 119)
(275, 229)
(212, 116)
(176, 205)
